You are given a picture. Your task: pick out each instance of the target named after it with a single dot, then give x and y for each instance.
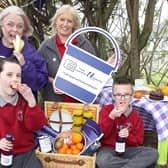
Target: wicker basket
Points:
(53, 160)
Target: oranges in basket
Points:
(76, 137)
(69, 142)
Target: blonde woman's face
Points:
(65, 24)
(12, 24)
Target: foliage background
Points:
(139, 27)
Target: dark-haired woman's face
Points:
(12, 25)
(11, 73)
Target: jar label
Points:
(45, 144)
(6, 160)
(120, 147)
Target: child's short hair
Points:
(122, 80)
(11, 59)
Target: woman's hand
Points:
(51, 80)
(57, 92)
(5, 144)
(19, 57)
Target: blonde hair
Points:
(64, 9)
(28, 29)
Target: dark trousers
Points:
(26, 160)
(134, 157)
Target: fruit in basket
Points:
(76, 127)
(76, 137)
(80, 145)
(75, 151)
(63, 146)
(62, 150)
(77, 118)
(86, 115)
(59, 142)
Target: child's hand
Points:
(115, 113)
(26, 92)
(5, 145)
(122, 107)
(118, 110)
(124, 133)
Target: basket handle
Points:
(73, 162)
(98, 30)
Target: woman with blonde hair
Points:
(14, 23)
(65, 21)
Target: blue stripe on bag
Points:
(85, 95)
(85, 57)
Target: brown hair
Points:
(11, 59)
(122, 80)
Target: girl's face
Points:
(12, 25)
(11, 74)
(65, 24)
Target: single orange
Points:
(69, 151)
(79, 146)
(73, 147)
(62, 150)
(65, 146)
(138, 94)
(76, 137)
(75, 151)
(164, 90)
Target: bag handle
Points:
(79, 162)
(98, 30)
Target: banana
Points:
(18, 44)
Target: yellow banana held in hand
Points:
(18, 44)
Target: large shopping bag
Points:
(82, 75)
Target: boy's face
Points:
(122, 93)
(11, 73)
